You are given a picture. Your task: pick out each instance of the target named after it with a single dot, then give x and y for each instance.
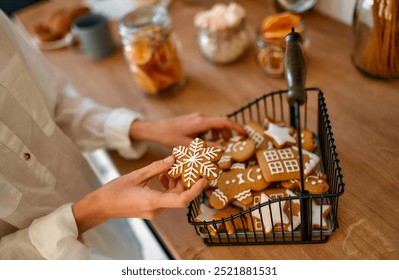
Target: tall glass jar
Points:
(152, 49)
(376, 38)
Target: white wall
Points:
(341, 10)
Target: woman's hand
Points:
(183, 129)
(130, 196)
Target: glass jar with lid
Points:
(222, 33)
(152, 49)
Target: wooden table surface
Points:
(363, 112)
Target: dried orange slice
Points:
(143, 80)
(139, 53)
(279, 25)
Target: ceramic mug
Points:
(91, 35)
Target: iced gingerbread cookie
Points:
(236, 150)
(283, 164)
(279, 135)
(319, 215)
(262, 220)
(206, 214)
(307, 139)
(194, 162)
(230, 226)
(236, 184)
(255, 133)
(315, 183)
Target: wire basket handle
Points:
(295, 75)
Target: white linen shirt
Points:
(44, 127)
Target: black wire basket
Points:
(274, 105)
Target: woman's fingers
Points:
(154, 169)
(182, 197)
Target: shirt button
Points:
(26, 156)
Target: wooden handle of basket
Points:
(295, 69)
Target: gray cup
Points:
(91, 35)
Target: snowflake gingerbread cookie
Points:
(195, 161)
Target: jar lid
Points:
(147, 16)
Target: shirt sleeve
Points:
(91, 125)
(36, 242)
(63, 241)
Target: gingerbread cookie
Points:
(315, 183)
(307, 139)
(205, 215)
(279, 135)
(236, 184)
(255, 133)
(194, 162)
(283, 164)
(319, 215)
(230, 226)
(269, 218)
(236, 150)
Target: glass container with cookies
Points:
(152, 50)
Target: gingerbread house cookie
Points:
(283, 164)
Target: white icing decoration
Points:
(249, 175)
(240, 179)
(237, 166)
(280, 134)
(219, 194)
(243, 195)
(313, 161)
(225, 158)
(188, 160)
(259, 177)
(254, 136)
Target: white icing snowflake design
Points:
(194, 162)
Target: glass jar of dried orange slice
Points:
(271, 41)
(152, 49)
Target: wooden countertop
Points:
(363, 112)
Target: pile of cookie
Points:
(260, 167)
